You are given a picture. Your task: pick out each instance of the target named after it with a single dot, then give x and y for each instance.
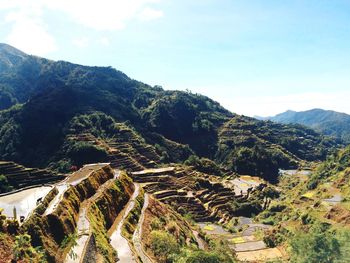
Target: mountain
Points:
(328, 122)
(42, 100)
(146, 169)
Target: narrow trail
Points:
(201, 243)
(118, 242)
(137, 237)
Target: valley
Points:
(128, 172)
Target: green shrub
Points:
(81, 153)
(24, 252)
(4, 184)
(163, 244)
(203, 165)
(201, 256)
(319, 245)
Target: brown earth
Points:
(339, 214)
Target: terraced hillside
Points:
(92, 213)
(203, 197)
(124, 148)
(18, 176)
(150, 172)
(249, 146)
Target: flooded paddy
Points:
(118, 242)
(24, 202)
(245, 244)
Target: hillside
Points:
(328, 122)
(314, 210)
(175, 124)
(257, 147)
(150, 175)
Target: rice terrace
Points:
(228, 140)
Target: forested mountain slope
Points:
(328, 122)
(47, 96)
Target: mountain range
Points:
(41, 100)
(124, 171)
(327, 122)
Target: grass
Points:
(309, 194)
(237, 240)
(209, 228)
(132, 219)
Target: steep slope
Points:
(328, 122)
(16, 176)
(313, 210)
(249, 146)
(173, 124)
(187, 118)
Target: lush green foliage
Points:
(81, 153)
(187, 118)
(201, 256)
(4, 184)
(60, 99)
(204, 165)
(249, 146)
(23, 250)
(163, 245)
(320, 245)
(336, 163)
(327, 122)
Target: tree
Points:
(4, 184)
(319, 245)
(201, 256)
(163, 245)
(23, 250)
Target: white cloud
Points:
(81, 42)
(148, 14)
(29, 34)
(104, 41)
(104, 14)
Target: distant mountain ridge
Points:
(328, 122)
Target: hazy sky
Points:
(254, 57)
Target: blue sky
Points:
(254, 57)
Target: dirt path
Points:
(137, 237)
(118, 242)
(201, 243)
